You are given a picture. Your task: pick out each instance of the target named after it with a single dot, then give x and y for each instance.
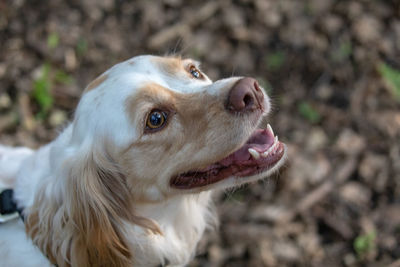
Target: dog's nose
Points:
(245, 95)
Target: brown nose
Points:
(245, 95)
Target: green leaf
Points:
(308, 112)
(275, 60)
(364, 244)
(53, 40)
(42, 90)
(391, 77)
(62, 77)
(81, 47)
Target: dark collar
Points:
(8, 208)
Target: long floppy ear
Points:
(84, 226)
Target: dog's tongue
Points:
(260, 141)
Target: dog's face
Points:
(172, 130)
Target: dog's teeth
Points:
(254, 153)
(265, 154)
(273, 146)
(270, 129)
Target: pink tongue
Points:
(260, 140)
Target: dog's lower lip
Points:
(243, 162)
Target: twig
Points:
(25, 112)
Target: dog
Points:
(128, 182)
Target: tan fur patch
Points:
(171, 65)
(95, 83)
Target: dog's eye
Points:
(195, 72)
(156, 119)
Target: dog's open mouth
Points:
(260, 153)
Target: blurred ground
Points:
(331, 68)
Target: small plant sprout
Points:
(363, 244)
(391, 77)
(309, 112)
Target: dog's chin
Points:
(259, 157)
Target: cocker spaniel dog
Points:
(129, 181)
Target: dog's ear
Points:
(84, 225)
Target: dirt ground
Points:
(330, 67)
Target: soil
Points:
(336, 202)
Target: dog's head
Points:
(144, 131)
(173, 130)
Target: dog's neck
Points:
(182, 220)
